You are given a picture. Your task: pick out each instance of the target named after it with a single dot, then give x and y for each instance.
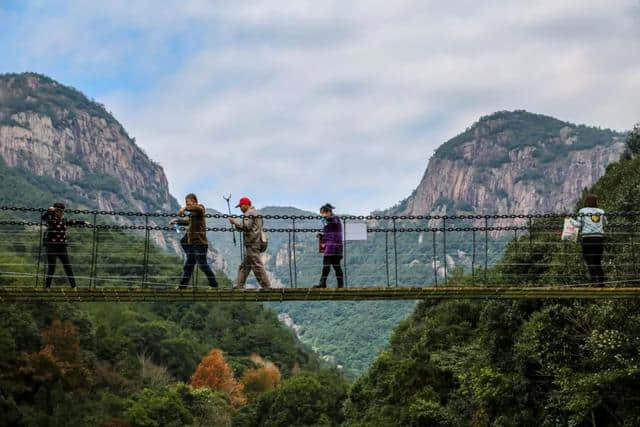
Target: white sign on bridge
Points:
(355, 231)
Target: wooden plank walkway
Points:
(113, 294)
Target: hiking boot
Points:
(319, 286)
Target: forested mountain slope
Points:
(508, 363)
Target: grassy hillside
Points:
(21, 188)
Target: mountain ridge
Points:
(513, 161)
(53, 130)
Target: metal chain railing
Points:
(450, 225)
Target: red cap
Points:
(243, 201)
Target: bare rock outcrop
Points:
(514, 162)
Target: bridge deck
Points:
(30, 294)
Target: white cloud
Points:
(303, 102)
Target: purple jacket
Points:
(332, 235)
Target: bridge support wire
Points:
(92, 267)
(40, 239)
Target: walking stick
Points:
(232, 227)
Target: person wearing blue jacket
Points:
(591, 221)
(331, 239)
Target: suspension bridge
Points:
(403, 258)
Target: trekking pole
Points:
(233, 230)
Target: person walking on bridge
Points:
(55, 242)
(255, 243)
(331, 246)
(195, 244)
(591, 221)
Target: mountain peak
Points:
(41, 94)
(514, 161)
(518, 129)
(55, 131)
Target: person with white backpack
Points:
(590, 223)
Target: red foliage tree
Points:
(213, 372)
(60, 358)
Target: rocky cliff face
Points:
(514, 162)
(53, 130)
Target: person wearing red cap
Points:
(255, 242)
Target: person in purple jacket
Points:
(331, 241)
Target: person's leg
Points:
(243, 270)
(51, 265)
(586, 255)
(258, 268)
(201, 259)
(326, 268)
(189, 264)
(589, 252)
(66, 264)
(598, 251)
(338, 269)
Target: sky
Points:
(298, 103)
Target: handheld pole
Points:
(233, 230)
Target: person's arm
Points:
(49, 214)
(237, 223)
(195, 211)
(578, 222)
(74, 222)
(182, 221)
(243, 224)
(339, 231)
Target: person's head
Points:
(190, 200)
(244, 204)
(591, 201)
(59, 207)
(326, 210)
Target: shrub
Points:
(633, 140)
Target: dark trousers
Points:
(329, 261)
(53, 252)
(196, 254)
(592, 250)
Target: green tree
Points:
(633, 140)
(155, 408)
(306, 399)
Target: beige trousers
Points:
(252, 262)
